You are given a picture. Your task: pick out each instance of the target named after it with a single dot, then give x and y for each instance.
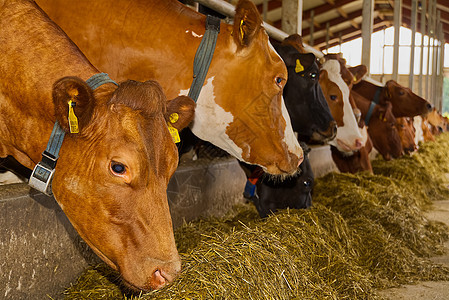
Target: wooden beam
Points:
(336, 42)
(346, 33)
(324, 8)
(272, 4)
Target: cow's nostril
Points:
(157, 280)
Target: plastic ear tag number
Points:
(174, 134)
(73, 120)
(299, 67)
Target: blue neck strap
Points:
(372, 105)
(204, 55)
(57, 135)
(42, 175)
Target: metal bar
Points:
(411, 77)
(441, 88)
(429, 48)
(312, 27)
(265, 10)
(421, 58)
(436, 20)
(397, 25)
(228, 9)
(292, 16)
(367, 30)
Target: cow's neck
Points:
(369, 89)
(362, 103)
(172, 33)
(43, 54)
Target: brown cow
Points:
(111, 177)
(240, 108)
(381, 127)
(357, 161)
(405, 102)
(437, 122)
(406, 132)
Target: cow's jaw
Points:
(348, 136)
(211, 120)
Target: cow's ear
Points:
(295, 40)
(304, 62)
(180, 112)
(358, 72)
(73, 99)
(247, 23)
(389, 89)
(324, 77)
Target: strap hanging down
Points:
(204, 55)
(43, 171)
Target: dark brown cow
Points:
(405, 102)
(357, 161)
(111, 177)
(406, 132)
(240, 108)
(381, 127)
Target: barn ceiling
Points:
(345, 18)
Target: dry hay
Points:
(364, 232)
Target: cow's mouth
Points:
(346, 148)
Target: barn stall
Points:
(187, 197)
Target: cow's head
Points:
(240, 108)
(405, 102)
(294, 192)
(383, 132)
(304, 99)
(336, 92)
(406, 132)
(112, 176)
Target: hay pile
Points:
(364, 232)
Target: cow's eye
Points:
(279, 81)
(307, 183)
(333, 97)
(117, 168)
(401, 92)
(313, 75)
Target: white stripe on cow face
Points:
(210, 121)
(349, 133)
(289, 136)
(417, 124)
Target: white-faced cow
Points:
(240, 107)
(111, 176)
(336, 90)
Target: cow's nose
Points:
(358, 143)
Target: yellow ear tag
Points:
(73, 120)
(174, 134)
(299, 67)
(241, 29)
(354, 78)
(173, 118)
